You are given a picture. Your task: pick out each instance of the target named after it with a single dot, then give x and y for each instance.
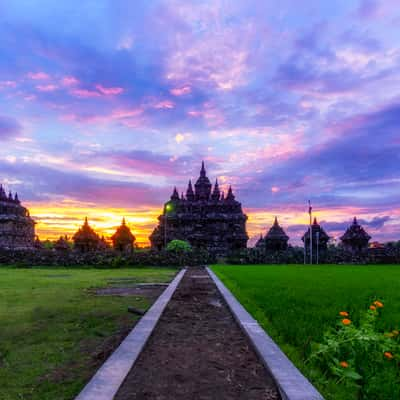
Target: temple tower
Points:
(86, 239)
(205, 218)
(123, 239)
(202, 185)
(355, 239)
(17, 228)
(276, 238)
(319, 241)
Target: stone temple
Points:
(320, 241)
(204, 217)
(355, 239)
(17, 228)
(275, 240)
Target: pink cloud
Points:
(38, 75)
(128, 117)
(165, 104)
(212, 115)
(84, 93)
(47, 88)
(126, 113)
(10, 84)
(109, 90)
(181, 91)
(69, 81)
(30, 97)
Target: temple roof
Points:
(316, 228)
(216, 193)
(276, 232)
(355, 232)
(123, 234)
(203, 185)
(8, 198)
(86, 233)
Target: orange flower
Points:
(344, 364)
(372, 307)
(388, 355)
(346, 321)
(344, 313)
(378, 304)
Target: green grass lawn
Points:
(296, 304)
(53, 331)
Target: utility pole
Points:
(311, 232)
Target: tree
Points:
(179, 246)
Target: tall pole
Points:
(317, 235)
(165, 230)
(311, 233)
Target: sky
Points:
(105, 106)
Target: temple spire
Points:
(10, 197)
(230, 195)
(175, 194)
(203, 170)
(16, 199)
(355, 221)
(2, 192)
(123, 221)
(315, 221)
(189, 192)
(276, 221)
(202, 185)
(216, 193)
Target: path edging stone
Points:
(106, 382)
(292, 384)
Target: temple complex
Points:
(123, 239)
(17, 228)
(355, 239)
(275, 240)
(204, 217)
(319, 241)
(86, 239)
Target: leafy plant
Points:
(360, 356)
(179, 246)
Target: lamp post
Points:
(168, 207)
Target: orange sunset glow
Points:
(65, 218)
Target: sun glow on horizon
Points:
(66, 217)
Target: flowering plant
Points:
(360, 356)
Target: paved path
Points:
(197, 352)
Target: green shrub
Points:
(179, 246)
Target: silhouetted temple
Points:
(319, 241)
(17, 228)
(275, 240)
(123, 238)
(355, 239)
(86, 239)
(205, 218)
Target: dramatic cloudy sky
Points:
(106, 105)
